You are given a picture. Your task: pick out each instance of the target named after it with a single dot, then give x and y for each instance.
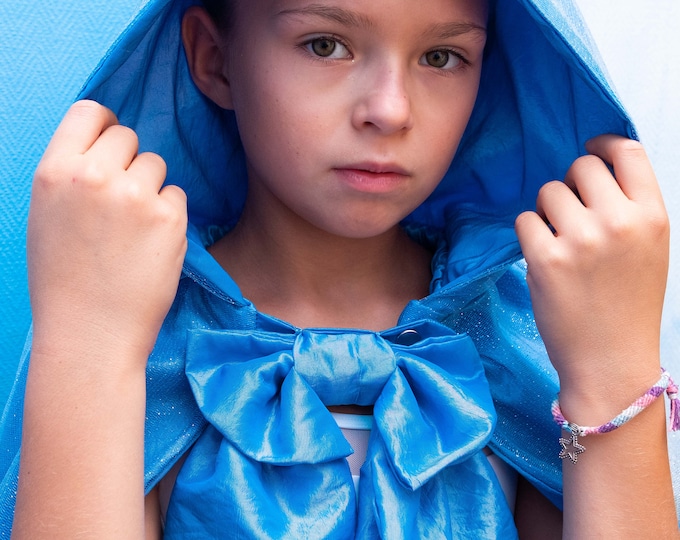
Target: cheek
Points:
(444, 136)
(262, 118)
(449, 120)
(278, 102)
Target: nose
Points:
(383, 101)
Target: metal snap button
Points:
(408, 337)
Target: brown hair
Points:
(222, 12)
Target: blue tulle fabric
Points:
(243, 396)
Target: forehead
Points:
(475, 11)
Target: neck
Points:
(310, 278)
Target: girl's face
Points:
(351, 111)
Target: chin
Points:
(363, 231)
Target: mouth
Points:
(378, 168)
(373, 177)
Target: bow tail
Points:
(251, 499)
(464, 500)
(425, 474)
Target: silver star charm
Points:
(571, 448)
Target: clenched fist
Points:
(597, 276)
(106, 241)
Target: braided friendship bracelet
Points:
(571, 447)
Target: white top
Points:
(356, 428)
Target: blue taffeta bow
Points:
(273, 457)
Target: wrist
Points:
(571, 447)
(88, 353)
(595, 400)
(91, 339)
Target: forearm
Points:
(82, 459)
(105, 246)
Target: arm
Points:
(597, 282)
(105, 249)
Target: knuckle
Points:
(549, 261)
(628, 148)
(170, 218)
(154, 162)
(92, 174)
(175, 218)
(522, 220)
(585, 164)
(551, 185)
(550, 188)
(48, 174)
(131, 194)
(89, 109)
(125, 131)
(659, 224)
(628, 227)
(589, 240)
(619, 222)
(83, 173)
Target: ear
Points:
(204, 48)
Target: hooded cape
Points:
(543, 93)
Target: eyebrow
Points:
(349, 18)
(339, 15)
(453, 29)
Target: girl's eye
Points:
(327, 47)
(441, 59)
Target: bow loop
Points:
(246, 388)
(436, 409)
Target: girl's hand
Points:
(597, 255)
(105, 242)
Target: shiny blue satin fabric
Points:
(274, 448)
(542, 95)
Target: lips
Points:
(378, 168)
(373, 177)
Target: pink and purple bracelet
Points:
(571, 447)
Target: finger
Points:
(115, 148)
(632, 168)
(533, 234)
(559, 206)
(149, 167)
(80, 128)
(593, 183)
(176, 196)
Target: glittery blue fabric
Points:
(244, 394)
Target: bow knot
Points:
(348, 368)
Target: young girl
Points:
(346, 347)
